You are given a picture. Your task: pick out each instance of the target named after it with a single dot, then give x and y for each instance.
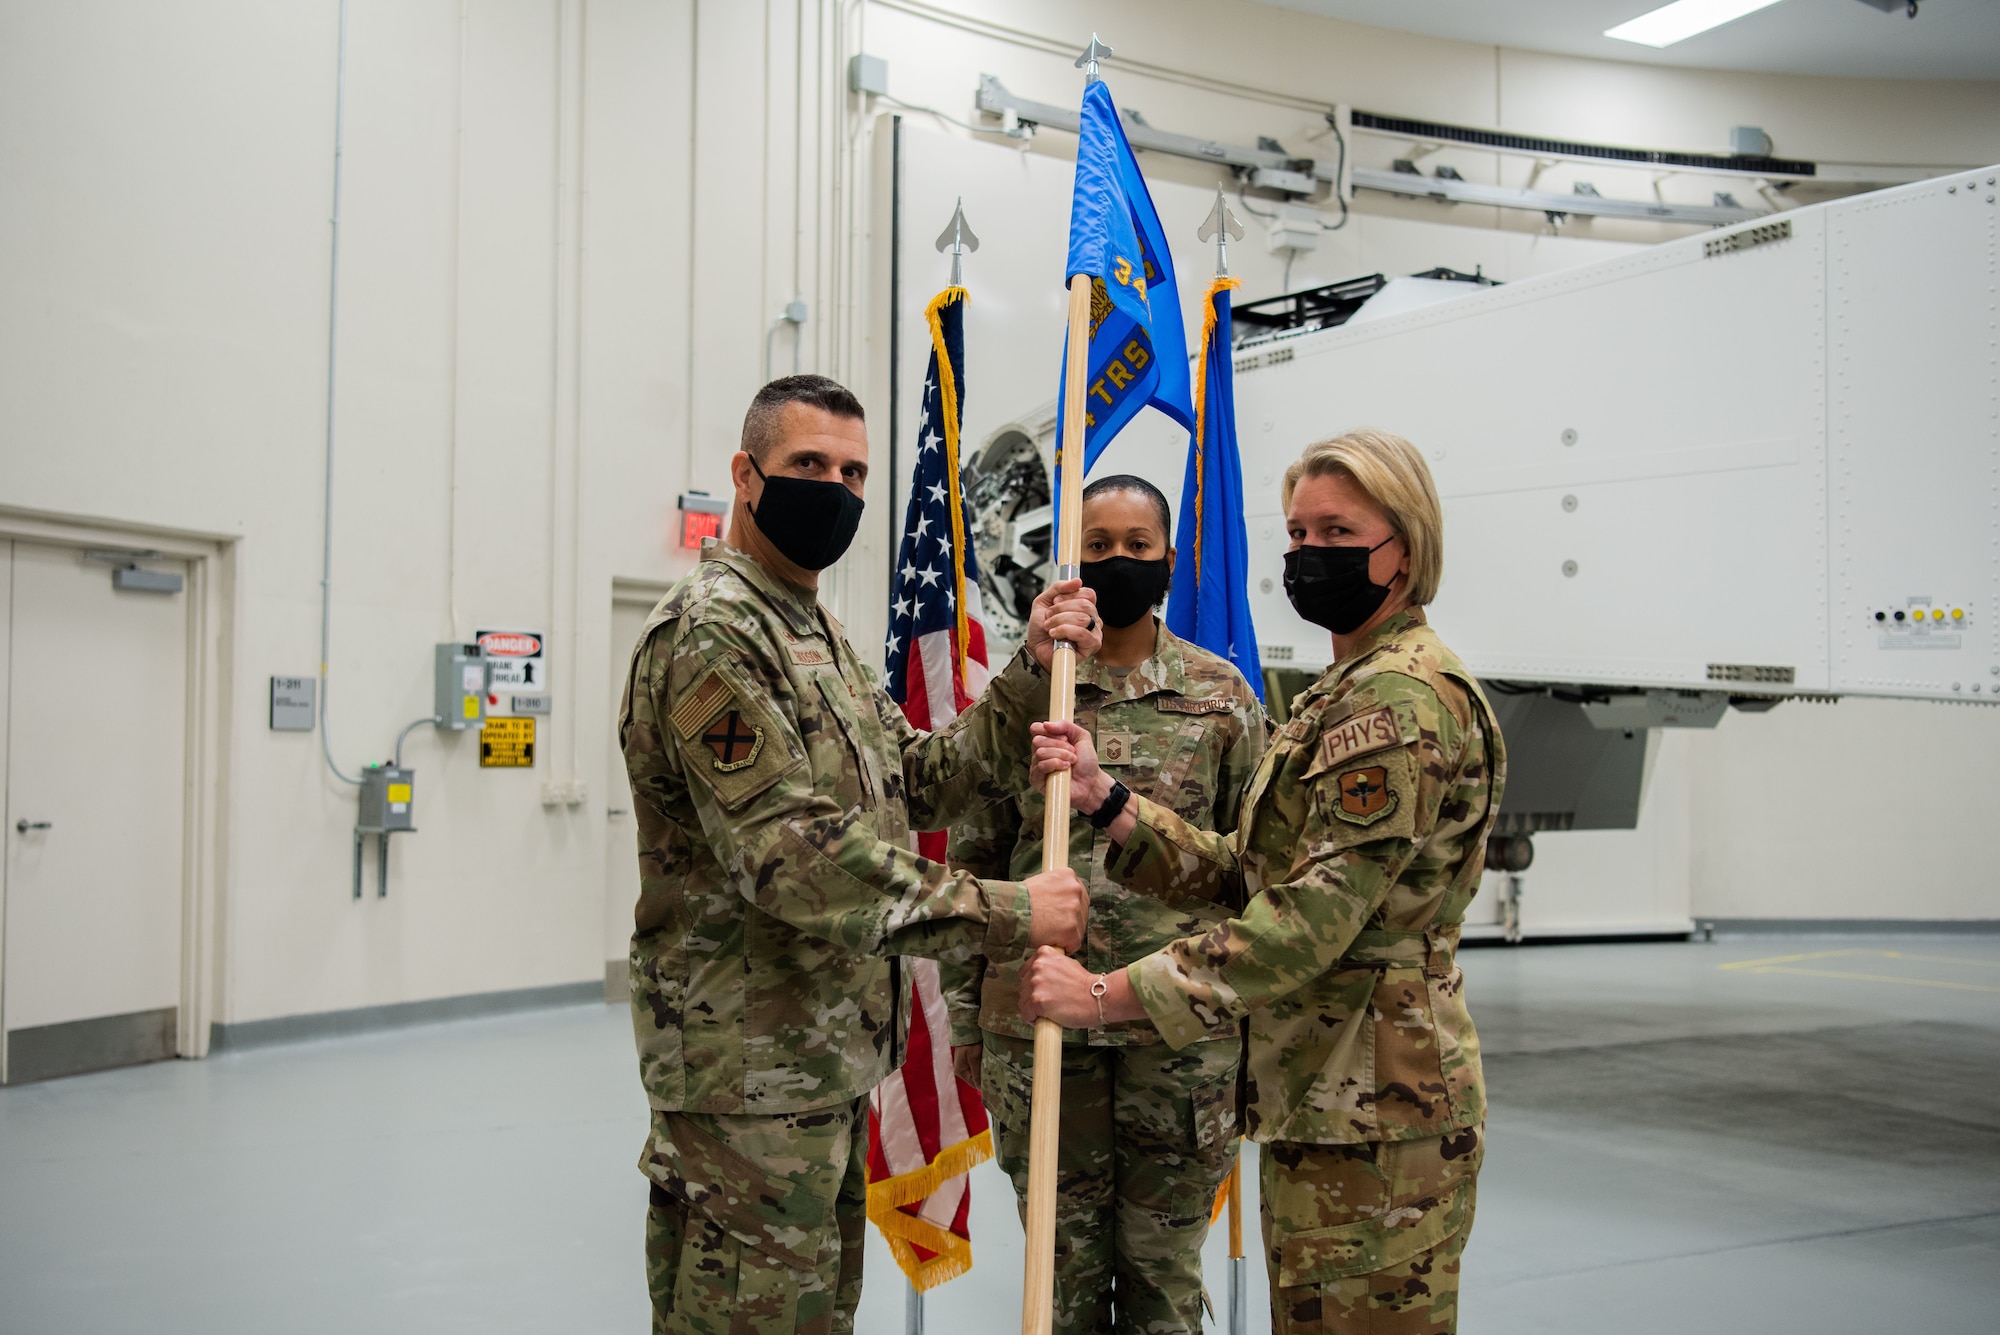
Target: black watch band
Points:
(1101, 818)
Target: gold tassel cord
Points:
(948, 393)
(1220, 283)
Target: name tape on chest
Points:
(1181, 704)
(807, 653)
(1360, 735)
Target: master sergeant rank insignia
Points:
(1364, 795)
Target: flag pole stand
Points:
(1038, 1285)
(1239, 1278)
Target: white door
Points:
(621, 846)
(95, 752)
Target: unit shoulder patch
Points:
(735, 743)
(1365, 796)
(701, 703)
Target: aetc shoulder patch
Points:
(1364, 795)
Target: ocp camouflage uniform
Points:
(1361, 843)
(1148, 1132)
(774, 787)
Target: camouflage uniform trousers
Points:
(1148, 1134)
(756, 1223)
(1368, 1238)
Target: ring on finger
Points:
(1092, 624)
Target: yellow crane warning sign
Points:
(507, 743)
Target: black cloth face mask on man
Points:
(1126, 587)
(810, 523)
(1329, 586)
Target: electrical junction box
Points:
(387, 801)
(1295, 229)
(460, 694)
(868, 74)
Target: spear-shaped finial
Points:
(958, 238)
(1087, 62)
(1220, 226)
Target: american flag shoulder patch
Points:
(702, 702)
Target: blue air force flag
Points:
(1209, 603)
(1138, 347)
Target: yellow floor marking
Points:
(1879, 978)
(1851, 952)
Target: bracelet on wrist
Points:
(1107, 810)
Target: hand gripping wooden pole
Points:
(1038, 1280)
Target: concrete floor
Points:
(1754, 1135)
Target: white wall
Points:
(567, 227)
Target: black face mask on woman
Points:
(1126, 587)
(1329, 586)
(810, 523)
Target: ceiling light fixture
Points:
(1683, 19)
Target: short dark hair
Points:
(1134, 483)
(760, 424)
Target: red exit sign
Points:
(701, 517)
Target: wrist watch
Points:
(1106, 813)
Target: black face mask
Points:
(1126, 587)
(810, 523)
(1329, 586)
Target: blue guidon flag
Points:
(1209, 604)
(936, 653)
(1138, 347)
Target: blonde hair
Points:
(1391, 473)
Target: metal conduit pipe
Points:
(332, 348)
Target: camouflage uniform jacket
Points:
(774, 785)
(1361, 842)
(1182, 728)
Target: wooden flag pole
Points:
(1038, 1281)
(1239, 1295)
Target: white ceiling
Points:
(1949, 39)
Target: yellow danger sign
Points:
(507, 743)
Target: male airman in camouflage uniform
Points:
(1360, 844)
(775, 785)
(1132, 1207)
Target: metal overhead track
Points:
(1415, 186)
(1277, 171)
(1401, 127)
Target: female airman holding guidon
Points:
(1360, 843)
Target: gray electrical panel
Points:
(386, 805)
(461, 682)
(293, 703)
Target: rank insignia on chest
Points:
(1364, 795)
(1115, 748)
(734, 742)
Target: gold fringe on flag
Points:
(953, 1253)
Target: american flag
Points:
(928, 1127)
(937, 646)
